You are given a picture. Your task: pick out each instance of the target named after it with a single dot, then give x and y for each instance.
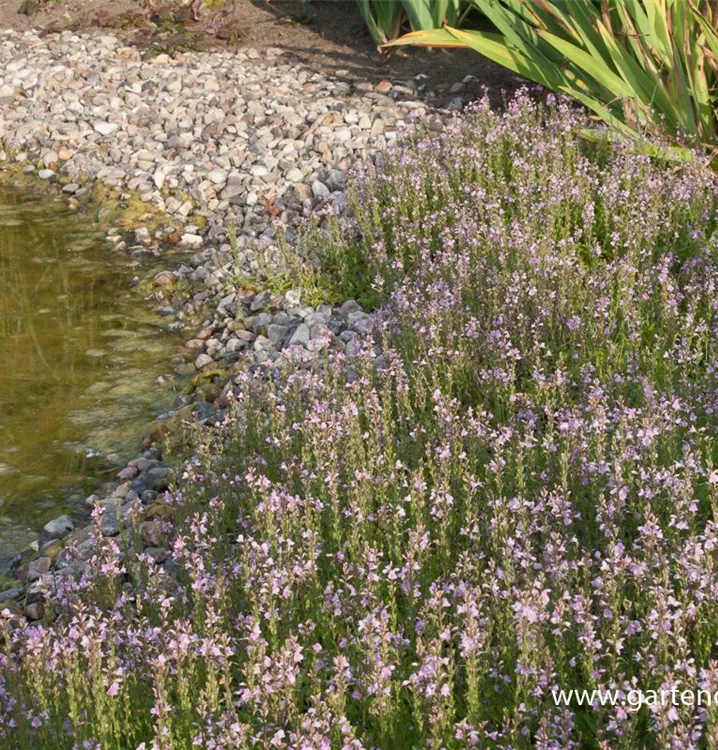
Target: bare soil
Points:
(328, 36)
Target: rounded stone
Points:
(202, 361)
(58, 527)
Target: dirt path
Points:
(327, 35)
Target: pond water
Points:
(80, 351)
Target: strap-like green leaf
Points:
(711, 33)
(429, 38)
(536, 68)
(595, 68)
(646, 88)
(519, 33)
(419, 14)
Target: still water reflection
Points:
(79, 354)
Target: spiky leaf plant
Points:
(385, 18)
(645, 67)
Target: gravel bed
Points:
(217, 135)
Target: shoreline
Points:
(222, 189)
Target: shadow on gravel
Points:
(330, 36)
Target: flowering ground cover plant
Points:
(509, 487)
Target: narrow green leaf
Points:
(430, 38)
(421, 15)
(536, 68)
(517, 32)
(609, 80)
